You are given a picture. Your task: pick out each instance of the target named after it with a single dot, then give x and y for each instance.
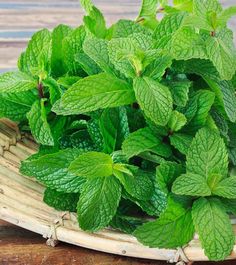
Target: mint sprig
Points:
(136, 119)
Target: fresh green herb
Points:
(135, 120)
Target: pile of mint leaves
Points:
(136, 122)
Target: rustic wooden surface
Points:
(21, 247)
(19, 19)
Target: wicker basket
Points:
(21, 204)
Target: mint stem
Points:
(40, 90)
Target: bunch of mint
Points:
(137, 120)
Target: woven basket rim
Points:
(21, 204)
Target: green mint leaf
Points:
(207, 153)
(154, 99)
(95, 21)
(224, 91)
(229, 204)
(137, 184)
(192, 185)
(166, 173)
(87, 64)
(155, 205)
(214, 228)
(203, 101)
(221, 51)
(97, 49)
(226, 188)
(57, 58)
(15, 106)
(173, 229)
(52, 170)
(72, 45)
(203, 7)
(147, 14)
(225, 16)
(166, 29)
(92, 165)
(126, 224)
(157, 68)
(177, 121)
(114, 128)
(95, 133)
(13, 82)
(38, 123)
(98, 203)
(93, 93)
(143, 140)
(55, 91)
(187, 44)
(181, 142)
(68, 81)
(179, 91)
(61, 201)
(184, 5)
(124, 28)
(37, 57)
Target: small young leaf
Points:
(177, 121)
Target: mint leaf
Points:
(13, 82)
(173, 229)
(15, 106)
(166, 173)
(224, 91)
(72, 45)
(57, 58)
(181, 142)
(179, 91)
(142, 141)
(226, 188)
(114, 128)
(225, 15)
(36, 59)
(97, 49)
(126, 224)
(201, 8)
(166, 29)
(221, 51)
(214, 228)
(177, 121)
(137, 184)
(147, 14)
(207, 153)
(191, 184)
(39, 126)
(95, 92)
(92, 165)
(52, 170)
(98, 203)
(187, 44)
(124, 28)
(61, 201)
(157, 68)
(154, 99)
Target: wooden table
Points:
(19, 19)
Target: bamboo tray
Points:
(21, 204)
